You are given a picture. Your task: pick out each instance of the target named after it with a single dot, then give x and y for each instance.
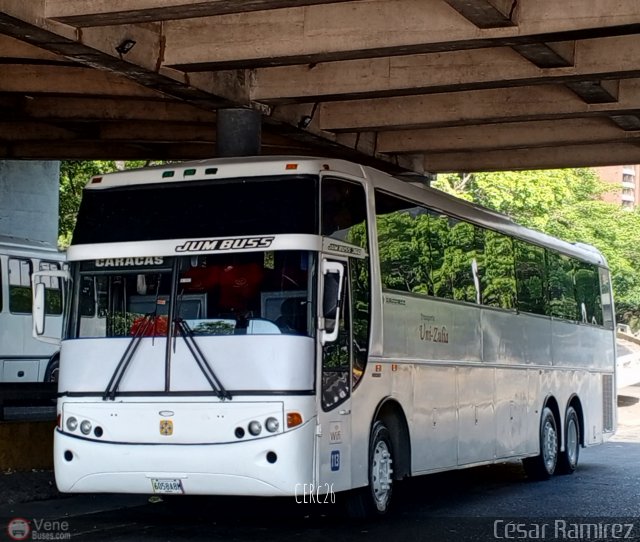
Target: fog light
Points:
(72, 423)
(85, 427)
(272, 425)
(255, 428)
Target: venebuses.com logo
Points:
(38, 529)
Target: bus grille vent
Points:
(607, 403)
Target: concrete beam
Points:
(548, 55)
(626, 122)
(486, 13)
(596, 92)
(544, 102)
(15, 49)
(442, 72)
(511, 135)
(135, 131)
(86, 109)
(371, 28)
(606, 154)
(58, 39)
(69, 79)
(116, 12)
(20, 131)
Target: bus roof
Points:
(254, 166)
(224, 168)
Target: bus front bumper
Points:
(238, 468)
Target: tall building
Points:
(626, 180)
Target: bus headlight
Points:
(272, 425)
(72, 423)
(255, 428)
(85, 427)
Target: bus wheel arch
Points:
(389, 458)
(392, 415)
(543, 465)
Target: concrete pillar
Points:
(29, 192)
(238, 132)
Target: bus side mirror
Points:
(39, 294)
(333, 278)
(39, 306)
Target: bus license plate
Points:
(167, 486)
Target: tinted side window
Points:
(360, 288)
(344, 217)
(530, 277)
(403, 229)
(465, 257)
(605, 295)
(562, 300)
(587, 288)
(20, 285)
(53, 298)
(344, 211)
(498, 277)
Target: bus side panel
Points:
(434, 427)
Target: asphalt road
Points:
(600, 501)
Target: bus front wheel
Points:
(375, 499)
(542, 466)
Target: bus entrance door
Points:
(333, 443)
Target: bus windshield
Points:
(218, 294)
(225, 207)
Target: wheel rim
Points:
(381, 475)
(549, 445)
(572, 442)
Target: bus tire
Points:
(374, 500)
(568, 460)
(543, 465)
(53, 368)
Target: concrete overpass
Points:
(426, 85)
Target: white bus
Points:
(22, 358)
(266, 326)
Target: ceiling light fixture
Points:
(125, 46)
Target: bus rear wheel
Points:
(375, 499)
(542, 466)
(568, 461)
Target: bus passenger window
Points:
(531, 280)
(498, 279)
(562, 300)
(587, 288)
(20, 285)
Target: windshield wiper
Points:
(187, 334)
(125, 360)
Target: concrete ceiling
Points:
(424, 85)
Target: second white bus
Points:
(23, 358)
